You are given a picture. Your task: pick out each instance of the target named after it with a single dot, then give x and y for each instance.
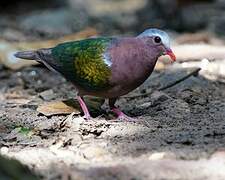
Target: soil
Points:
(179, 132)
(180, 124)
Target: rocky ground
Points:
(180, 129)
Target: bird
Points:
(107, 67)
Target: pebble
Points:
(47, 95)
(94, 152)
(161, 155)
(4, 150)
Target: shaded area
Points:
(180, 129)
(50, 19)
(13, 169)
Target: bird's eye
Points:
(157, 40)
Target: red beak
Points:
(171, 54)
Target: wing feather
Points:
(83, 63)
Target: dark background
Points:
(182, 126)
(51, 18)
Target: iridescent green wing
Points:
(82, 62)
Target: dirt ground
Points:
(179, 131)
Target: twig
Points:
(138, 95)
(193, 73)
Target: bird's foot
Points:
(87, 115)
(123, 117)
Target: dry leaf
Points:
(69, 106)
(57, 108)
(16, 98)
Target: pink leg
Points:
(118, 112)
(121, 115)
(84, 108)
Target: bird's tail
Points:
(30, 55)
(43, 56)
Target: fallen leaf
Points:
(69, 106)
(16, 98)
(58, 108)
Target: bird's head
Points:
(160, 40)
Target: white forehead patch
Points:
(156, 32)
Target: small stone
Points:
(161, 155)
(146, 105)
(158, 97)
(218, 155)
(47, 95)
(4, 150)
(94, 152)
(3, 129)
(76, 139)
